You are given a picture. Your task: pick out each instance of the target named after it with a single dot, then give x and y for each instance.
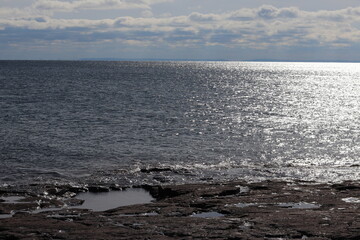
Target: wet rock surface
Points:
(234, 210)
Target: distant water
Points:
(198, 121)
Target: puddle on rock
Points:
(3, 216)
(63, 216)
(207, 215)
(150, 214)
(13, 199)
(108, 200)
(141, 214)
(247, 225)
(243, 205)
(94, 201)
(299, 205)
(244, 189)
(351, 200)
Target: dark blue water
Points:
(105, 121)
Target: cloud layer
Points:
(256, 28)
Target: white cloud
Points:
(199, 17)
(147, 13)
(6, 13)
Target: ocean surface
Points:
(178, 122)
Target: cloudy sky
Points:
(306, 30)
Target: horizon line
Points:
(184, 60)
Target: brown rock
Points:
(268, 210)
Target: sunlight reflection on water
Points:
(105, 121)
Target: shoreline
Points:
(230, 210)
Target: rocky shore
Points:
(233, 210)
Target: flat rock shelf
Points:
(232, 210)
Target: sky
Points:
(278, 30)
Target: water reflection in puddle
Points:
(351, 200)
(12, 199)
(299, 205)
(243, 205)
(3, 216)
(109, 200)
(142, 214)
(95, 201)
(207, 215)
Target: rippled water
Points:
(105, 121)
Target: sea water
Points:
(90, 121)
